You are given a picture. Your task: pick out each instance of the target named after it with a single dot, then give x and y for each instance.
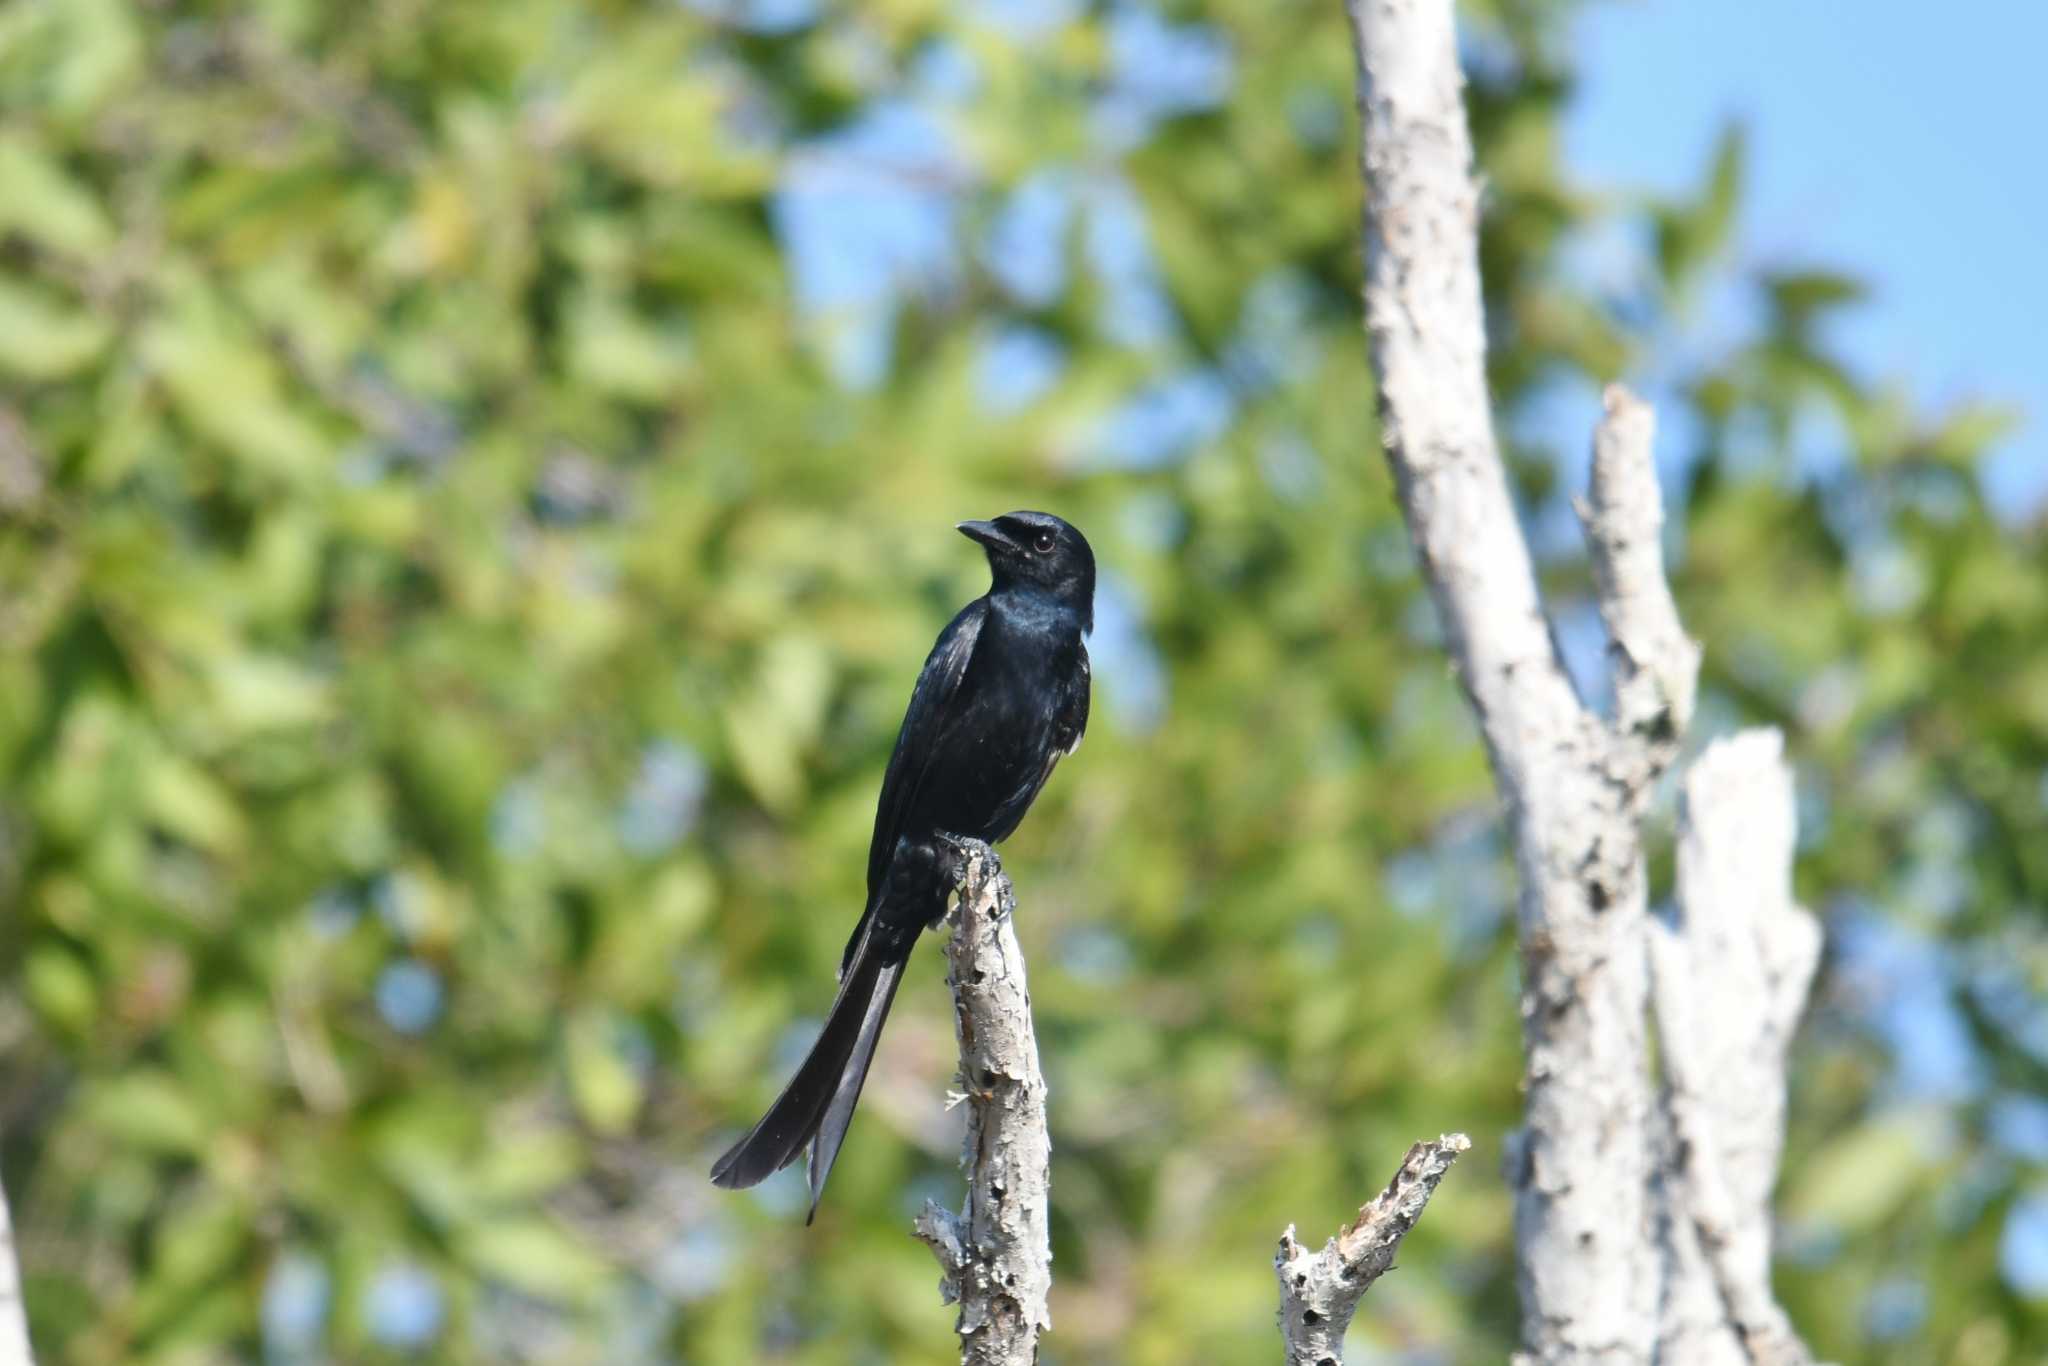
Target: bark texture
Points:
(1589, 1168)
(996, 1253)
(1319, 1291)
(1731, 968)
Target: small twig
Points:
(1319, 1291)
(996, 1253)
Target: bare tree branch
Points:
(14, 1345)
(1656, 666)
(997, 1252)
(1319, 1291)
(1731, 970)
(1573, 786)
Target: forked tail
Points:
(814, 1110)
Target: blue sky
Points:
(1899, 141)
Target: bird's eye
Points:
(1043, 545)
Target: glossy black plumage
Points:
(1002, 698)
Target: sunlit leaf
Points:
(535, 1256)
(43, 339)
(605, 1086)
(43, 203)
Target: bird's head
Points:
(1039, 550)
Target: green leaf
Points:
(253, 693)
(228, 389)
(61, 987)
(1801, 294)
(149, 1109)
(1970, 432)
(98, 54)
(614, 350)
(770, 727)
(534, 1255)
(190, 803)
(1864, 1176)
(42, 339)
(523, 1166)
(604, 1084)
(42, 202)
(1716, 213)
(1692, 236)
(196, 1248)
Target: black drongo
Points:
(1003, 696)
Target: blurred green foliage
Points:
(473, 496)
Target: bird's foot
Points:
(965, 851)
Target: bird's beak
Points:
(988, 533)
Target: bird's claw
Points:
(965, 851)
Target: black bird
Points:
(1002, 698)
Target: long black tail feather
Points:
(814, 1110)
(831, 1131)
(819, 1098)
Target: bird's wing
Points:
(1074, 723)
(1065, 724)
(931, 704)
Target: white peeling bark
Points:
(1638, 1225)
(1573, 786)
(1731, 968)
(1656, 665)
(1319, 1291)
(996, 1253)
(14, 1346)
